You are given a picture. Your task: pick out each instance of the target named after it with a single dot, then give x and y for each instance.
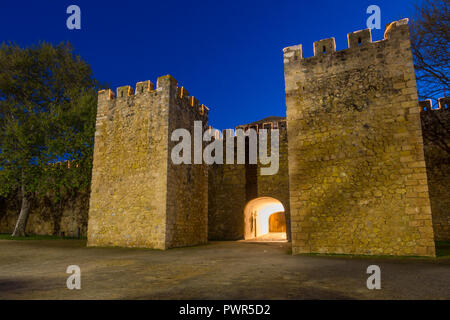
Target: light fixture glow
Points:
(257, 215)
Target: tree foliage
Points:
(47, 118)
(430, 36)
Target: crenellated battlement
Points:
(147, 87)
(144, 86)
(359, 38)
(191, 101)
(248, 129)
(442, 105)
(356, 40)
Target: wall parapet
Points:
(442, 105)
(356, 39)
(147, 87)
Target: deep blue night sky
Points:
(226, 53)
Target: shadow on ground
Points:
(36, 269)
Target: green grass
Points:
(7, 236)
(443, 249)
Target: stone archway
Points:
(264, 219)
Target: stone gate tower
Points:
(139, 198)
(357, 175)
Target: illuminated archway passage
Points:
(264, 220)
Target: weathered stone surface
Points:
(277, 186)
(356, 177)
(356, 150)
(232, 186)
(227, 200)
(138, 197)
(435, 125)
(187, 185)
(45, 220)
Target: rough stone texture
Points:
(354, 179)
(277, 222)
(220, 270)
(277, 186)
(226, 202)
(187, 185)
(357, 173)
(43, 221)
(435, 125)
(134, 186)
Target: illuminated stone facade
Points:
(357, 171)
(436, 126)
(139, 198)
(352, 177)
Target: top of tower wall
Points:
(147, 88)
(442, 105)
(357, 39)
(266, 123)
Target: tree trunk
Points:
(19, 230)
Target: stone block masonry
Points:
(357, 174)
(233, 186)
(436, 139)
(277, 186)
(363, 168)
(44, 219)
(138, 197)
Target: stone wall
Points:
(352, 179)
(227, 200)
(232, 186)
(187, 184)
(134, 183)
(357, 173)
(277, 186)
(277, 222)
(436, 126)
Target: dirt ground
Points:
(36, 269)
